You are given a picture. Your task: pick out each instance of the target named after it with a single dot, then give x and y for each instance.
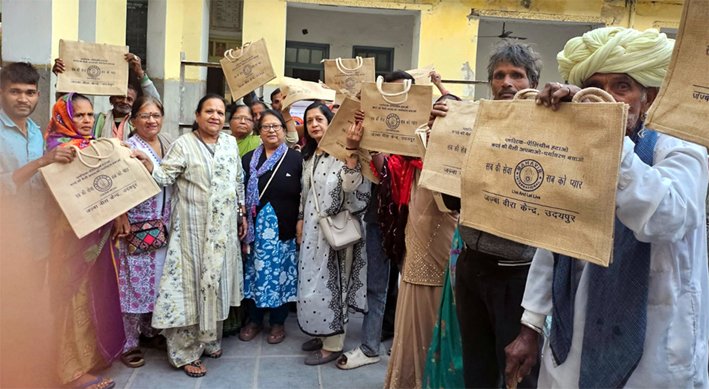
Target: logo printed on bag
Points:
(247, 69)
(350, 83)
(103, 183)
(393, 121)
(93, 71)
(529, 175)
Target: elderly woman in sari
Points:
(330, 282)
(83, 278)
(273, 173)
(140, 262)
(203, 270)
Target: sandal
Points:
(317, 358)
(195, 374)
(249, 332)
(314, 344)
(215, 355)
(133, 358)
(96, 383)
(277, 334)
(354, 359)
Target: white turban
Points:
(643, 55)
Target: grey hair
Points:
(517, 54)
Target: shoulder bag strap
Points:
(272, 175)
(164, 189)
(312, 185)
(205, 144)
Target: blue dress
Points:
(271, 278)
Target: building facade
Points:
(453, 35)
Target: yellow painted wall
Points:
(442, 25)
(447, 36)
(267, 19)
(193, 31)
(113, 32)
(65, 17)
(174, 16)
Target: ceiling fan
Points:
(504, 35)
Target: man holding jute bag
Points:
(642, 321)
(491, 271)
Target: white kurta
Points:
(203, 275)
(330, 282)
(664, 205)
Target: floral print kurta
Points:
(329, 281)
(139, 274)
(202, 276)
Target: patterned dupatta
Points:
(61, 130)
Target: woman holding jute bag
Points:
(332, 267)
(84, 288)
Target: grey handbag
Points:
(341, 230)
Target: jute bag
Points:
(392, 113)
(100, 184)
(93, 68)
(335, 139)
(681, 108)
(546, 178)
(247, 68)
(447, 145)
(421, 75)
(348, 74)
(296, 89)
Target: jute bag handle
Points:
(344, 69)
(229, 54)
(81, 154)
(595, 95)
(404, 92)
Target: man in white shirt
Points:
(641, 322)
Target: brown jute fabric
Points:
(681, 109)
(334, 142)
(546, 178)
(93, 68)
(447, 145)
(392, 113)
(247, 68)
(421, 75)
(295, 89)
(348, 74)
(100, 184)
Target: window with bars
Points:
(303, 60)
(383, 57)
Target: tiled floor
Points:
(257, 364)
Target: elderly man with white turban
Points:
(641, 322)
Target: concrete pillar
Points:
(175, 27)
(31, 33)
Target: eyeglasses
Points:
(147, 116)
(242, 119)
(271, 127)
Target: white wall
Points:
(27, 31)
(344, 29)
(546, 38)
